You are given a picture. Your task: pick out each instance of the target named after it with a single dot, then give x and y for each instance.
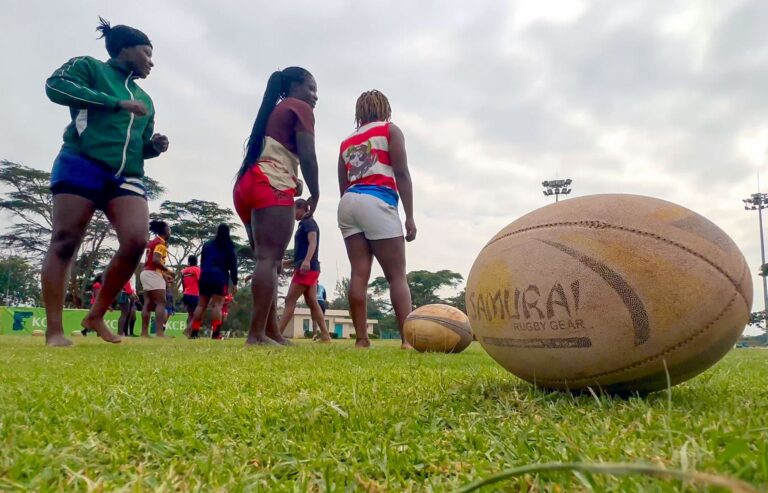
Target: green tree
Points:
(29, 203)
(424, 285)
(340, 299)
(19, 282)
(458, 301)
(376, 309)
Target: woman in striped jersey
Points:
(373, 176)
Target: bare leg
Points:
(273, 329)
(71, 215)
(310, 298)
(391, 256)
(146, 314)
(131, 321)
(198, 315)
(360, 258)
(271, 230)
(129, 216)
(125, 313)
(294, 291)
(216, 304)
(160, 313)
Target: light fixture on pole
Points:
(758, 202)
(557, 188)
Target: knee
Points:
(357, 296)
(64, 243)
(133, 247)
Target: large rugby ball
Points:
(613, 292)
(438, 328)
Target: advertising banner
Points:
(22, 320)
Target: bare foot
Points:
(324, 340)
(260, 341)
(97, 325)
(362, 343)
(278, 338)
(57, 340)
(406, 345)
(145, 335)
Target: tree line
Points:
(27, 203)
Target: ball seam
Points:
(440, 321)
(655, 356)
(604, 225)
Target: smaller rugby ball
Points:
(38, 332)
(438, 328)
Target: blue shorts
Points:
(80, 176)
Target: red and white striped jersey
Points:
(366, 155)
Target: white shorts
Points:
(152, 281)
(363, 213)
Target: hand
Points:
(168, 276)
(299, 187)
(305, 266)
(410, 229)
(138, 108)
(160, 143)
(311, 206)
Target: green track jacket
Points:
(100, 130)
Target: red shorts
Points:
(253, 191)
(308, 278)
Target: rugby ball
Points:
(622, 293)
(438, 328)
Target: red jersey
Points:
(95, 291)
(156, 246)
(366, 156)
(190, 279)
(128, 289)
(279, 159)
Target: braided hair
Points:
(372, 106)
(278, 86)
(157, 227)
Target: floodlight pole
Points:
(762, 258)
(557, 188)
(759, 201)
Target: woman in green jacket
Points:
(100, 167)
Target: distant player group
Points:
(101, 165)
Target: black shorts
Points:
(191, 301)
(209, 288)
(81, 176)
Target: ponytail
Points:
(278, 86)
(223, 238)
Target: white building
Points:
(338, 323)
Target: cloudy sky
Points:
(664, 98)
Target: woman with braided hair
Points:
(281, 141)
(373, 176)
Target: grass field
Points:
(184, 415)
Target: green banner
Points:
(21, 320)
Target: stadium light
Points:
(557, 188)
(758, 202)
